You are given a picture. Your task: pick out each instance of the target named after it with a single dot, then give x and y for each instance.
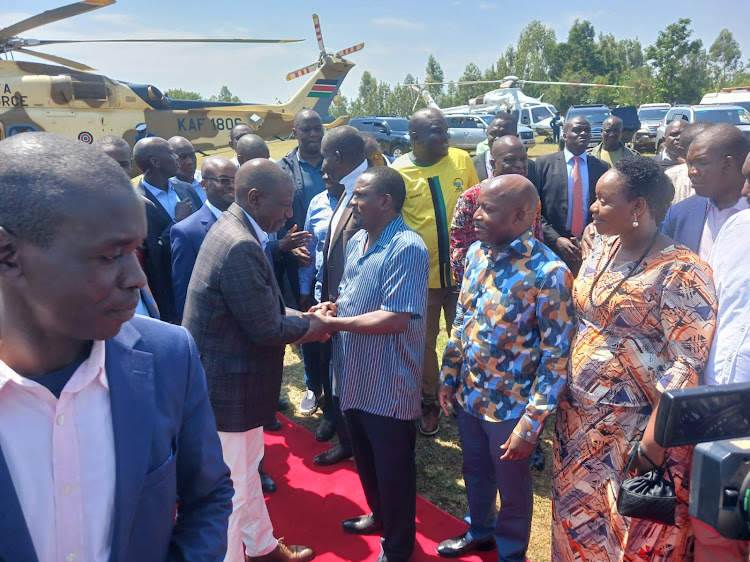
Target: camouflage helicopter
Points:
(69, 99)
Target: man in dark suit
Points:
(235, 312)
(502, 125)
(566, 184)
(715, 160)
(123, 399)
(343, 162)
(172, 202)
(187, 236)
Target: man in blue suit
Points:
(105, 423)
(714, 159)
(187, 235)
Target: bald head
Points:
(347, 141)
(503, 124)
(152, 152)
(428, 131)
(43, 174)
(672, 140)
(251, 146)
(715, 160)
(266, 192)
(261, 175)
(218, 181)
(304, 115)
(611, 133)
(508, 156)
(187, 161)
(577, 133)
(212, 165)
(506, 209)
(237, 132)
(423, 117)
(725, 140)
(118, 149)
(691, 131)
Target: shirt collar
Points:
(303, 161)
(262, 236)
(155, 190)
(215, 210)
(569, 155)
(92, 369)
(350, 179)
(521, 245)
(740, 205)
(394, 226)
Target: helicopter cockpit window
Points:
(540, 113)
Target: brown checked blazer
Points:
(333, 263)
(235, 313)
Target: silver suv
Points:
(732, 114)
(467, 130)
(650, 115)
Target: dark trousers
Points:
(384, 453)
(484, 475)
(317, 377)
(332, 408)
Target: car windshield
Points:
(592, 114)
(398, 124)
(731, 115)
(487, 118)
(654, 113)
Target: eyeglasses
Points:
(222, 180)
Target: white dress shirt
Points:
(168, 198)
(583, 167)
(729, 360)
(348, 182)
(61, 457)
(715, 219)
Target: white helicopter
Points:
(531, 112)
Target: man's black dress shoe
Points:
(460, 545)
(363, 525)
(274, 425)
(282, 405)
(267, 483)
(332, 456)
(326, 430)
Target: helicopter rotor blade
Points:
(50, 16)
(59, 60)
(302, 71)
(58, 42)
(319, 34)
(585, 84)
(350, 50)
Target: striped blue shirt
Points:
(382, 374)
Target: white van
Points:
(734, 96)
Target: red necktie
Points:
(576, 224)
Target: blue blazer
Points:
(167, 451)
(186, 238)
(684, 221)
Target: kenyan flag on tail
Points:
(323, 88)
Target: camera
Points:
(717, 420)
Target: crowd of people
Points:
(587, 282)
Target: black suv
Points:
(597, 113)
(391, 132)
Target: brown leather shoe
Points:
(284, 553)
(428, 421)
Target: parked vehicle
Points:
(467, 130)
(732, 96)
(596, 114)
(650, 115)
(732, 114)
(392, 133)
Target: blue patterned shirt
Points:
(508, 352)
(382, 374)
(318, 218)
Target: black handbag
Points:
(649, 496)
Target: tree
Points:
(668, 55)
(224, 95)
(341, 108)
(178, 94)
(725, 57)
(434, 73)
(371, 97)
(535, 57)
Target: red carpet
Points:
(311, 502)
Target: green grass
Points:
(439, 478)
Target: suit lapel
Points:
(346, 214)
(15, 540)
(159, 207)
(130, 374)
(695, 233)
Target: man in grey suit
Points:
(567, 183)
(171, 203)
(236, 315)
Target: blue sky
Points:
(398, 36)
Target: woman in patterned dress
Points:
(646, 314)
